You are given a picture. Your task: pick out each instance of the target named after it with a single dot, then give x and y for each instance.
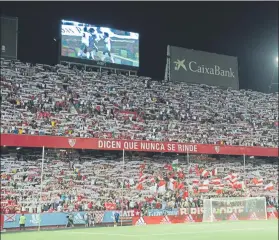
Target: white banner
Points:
(70, 30)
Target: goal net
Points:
(234, 209)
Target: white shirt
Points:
(85, 39)
(107, 43)
(59, 208)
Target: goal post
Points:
(234, 209)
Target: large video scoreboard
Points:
(91, 44)
(8, 38)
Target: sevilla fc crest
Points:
(72, 142)
(217, 149)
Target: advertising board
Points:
(198, 67)
(14, 140)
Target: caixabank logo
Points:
(195, 67)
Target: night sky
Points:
(248, 30)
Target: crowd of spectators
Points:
(86, 180)
(45, 100)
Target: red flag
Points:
(258, 182)
(255, 180)
(169, 167)
(140, 187)
(197, 170)
(269, 186)
(219, 191)
(181, 175)
(185, 195)
(180, 186)
(238, 185)
(161, 183)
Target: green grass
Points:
(240, 230)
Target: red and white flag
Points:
(233, 180)
(233, 175)
(196, 181)
(203, 189)
(143, 178)
(214, 172)
(227, 177)
(172, 184)
(152, 179)
(206, 182)
(216, 181)
(269, 187)
(161, 186)
(239, 185)
(180, 186)
(205, 173)
(259, 182)
(220, 186)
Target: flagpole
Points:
(188, 159)
(244, 162)
(188, 162)
(123, 163)
(42, 174)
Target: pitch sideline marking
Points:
(161, 234)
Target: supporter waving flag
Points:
(205, 173)
(197, 170)
(269, 187)
(175, 165)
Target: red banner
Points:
(1, 222)
(110, 206)
(191, 218)
(272, 215)
(166, 219)
(130, 145)
(272, 212)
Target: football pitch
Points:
(240, 230)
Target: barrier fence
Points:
(129, 217)
(11, 221)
